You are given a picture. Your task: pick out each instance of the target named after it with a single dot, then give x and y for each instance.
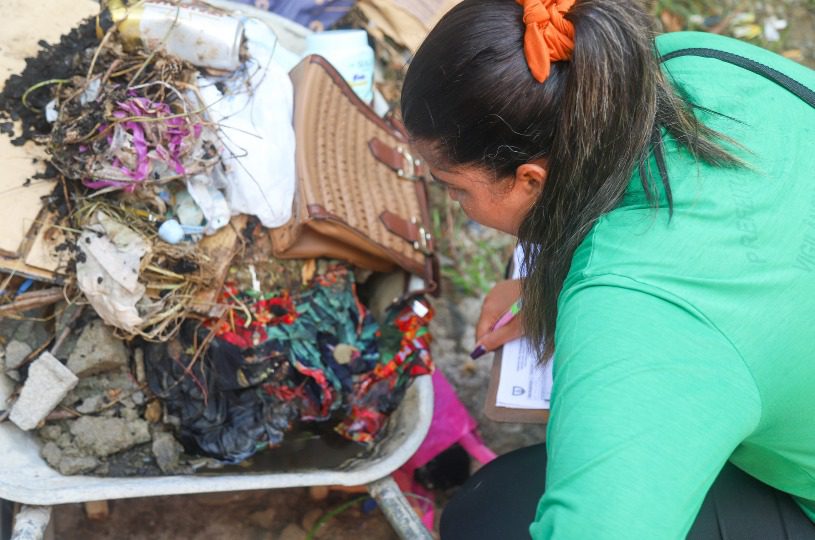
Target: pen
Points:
(502, 321)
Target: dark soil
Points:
(57, 61)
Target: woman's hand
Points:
(496, 303)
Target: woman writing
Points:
(664, 192)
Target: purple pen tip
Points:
(478, 352)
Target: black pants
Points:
(499, 503)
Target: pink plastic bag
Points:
(451, 424)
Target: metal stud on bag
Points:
(411, 165)
(423, 243)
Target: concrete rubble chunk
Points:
(16, 352)
(97, 350)
(167, 452)
(91, 404)
(50, 432)
(51, 453)
(90, 387)
(29, 331)
(65, 463)
(70, 465)
(102, 435)
(47, 384)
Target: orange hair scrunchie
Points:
(549, 37)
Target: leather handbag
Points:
(361, 194)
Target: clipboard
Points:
(507, 414)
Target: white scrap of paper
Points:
(524, 382)
(108, 274)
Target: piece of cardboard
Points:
(43, 253)
(507, 414)
(42, 261)
(220, 249)
(407, 22)
(22, 25)
(19, 204)
(19, 268)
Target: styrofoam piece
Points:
(25, 477)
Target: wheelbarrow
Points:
(27, 479)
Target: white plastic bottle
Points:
(349, 52)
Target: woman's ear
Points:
(530, 178)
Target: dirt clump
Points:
(53, 62)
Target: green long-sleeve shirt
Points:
(687, 342)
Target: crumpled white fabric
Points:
(108, 274)
(255, 119)
(211, 202)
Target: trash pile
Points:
(157, 332)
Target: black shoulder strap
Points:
(786, 82)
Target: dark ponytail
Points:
(595, 120)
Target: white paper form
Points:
(524, 383)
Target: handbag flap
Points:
(339, 173)
(312, 242)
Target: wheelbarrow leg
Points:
(31, 522)
(397, 510)
(6, 518)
